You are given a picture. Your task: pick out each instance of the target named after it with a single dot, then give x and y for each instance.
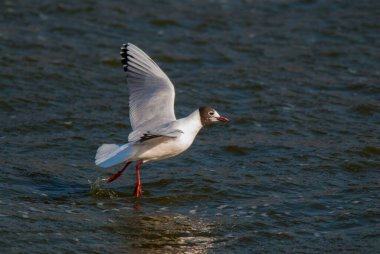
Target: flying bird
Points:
(156, 133)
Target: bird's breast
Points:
(161, 150)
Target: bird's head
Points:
(209, 115)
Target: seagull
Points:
(156, 133)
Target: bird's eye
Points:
(211, 113)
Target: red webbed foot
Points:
(118, 174)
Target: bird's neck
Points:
(193, 122)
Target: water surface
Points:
(297, 169)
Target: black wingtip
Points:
(124, 56)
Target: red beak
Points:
(223, 119)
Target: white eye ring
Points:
(211, 113)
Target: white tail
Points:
(112, 154)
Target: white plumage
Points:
(156, 133)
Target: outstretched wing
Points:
(151, 94)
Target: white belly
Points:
(158, 149)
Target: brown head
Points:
(209, 115)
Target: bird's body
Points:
(156, 134)
(161, 148)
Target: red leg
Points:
(138, 191)
(116, 175)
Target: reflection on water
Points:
(146, 230)
(163, 231)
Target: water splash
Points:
(98, 188)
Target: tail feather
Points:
(112, 154)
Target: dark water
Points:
(297, 169)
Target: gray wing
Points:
(167, 130)
(152, 135)
(151, 94)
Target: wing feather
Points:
(151, 94)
